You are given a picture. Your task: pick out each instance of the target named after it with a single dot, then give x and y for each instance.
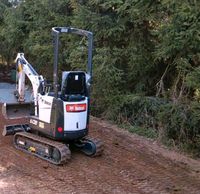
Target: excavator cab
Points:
(74, 86)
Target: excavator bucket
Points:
(11, 108)
(16, 110)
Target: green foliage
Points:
(141, 48)
(180, 123)
(107, 82)
(176, 124)
(149, 133)
(179, 43)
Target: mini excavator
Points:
(58, 119)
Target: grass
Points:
(146, 132)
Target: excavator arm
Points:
(25, 68)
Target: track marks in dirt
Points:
(130, 164)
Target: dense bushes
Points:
(175, 124)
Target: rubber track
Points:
(63, 148)
(99, 145)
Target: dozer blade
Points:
(16, 110)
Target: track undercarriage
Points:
(50, 150)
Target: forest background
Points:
(146, 58)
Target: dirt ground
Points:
(130, 164)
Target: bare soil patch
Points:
(130, 164)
